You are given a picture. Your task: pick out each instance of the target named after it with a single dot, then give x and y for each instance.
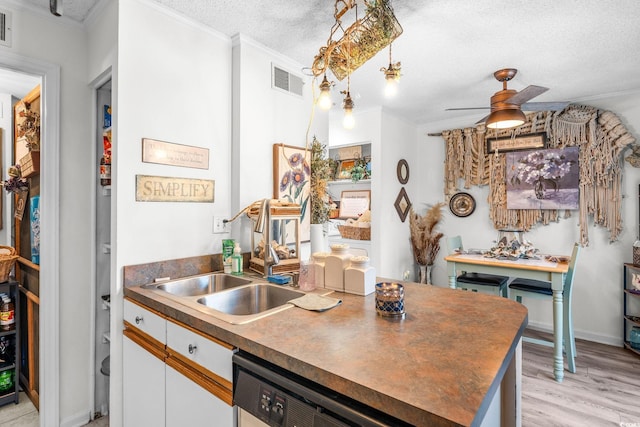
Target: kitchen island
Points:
(442, 365)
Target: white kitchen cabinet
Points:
(143, 366)
(199, 379)
(143, 386)
(189, 404)
(174, 375)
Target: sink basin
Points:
(252, 299)
(200, 285)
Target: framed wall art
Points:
(291, 176)
(543, 179)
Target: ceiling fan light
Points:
(505, 119)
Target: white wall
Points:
(62, 43)
(6, 142)
(391, 139)
(597, 298)
(173, 86)
(262, 117)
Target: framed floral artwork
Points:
(291, 175)
(543, 179)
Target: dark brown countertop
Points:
(441, 365)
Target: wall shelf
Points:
(631, 305)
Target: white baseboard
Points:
(76, 420)
(583, 335)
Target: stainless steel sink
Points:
(233, 299)
(251, 299)
(200, 285)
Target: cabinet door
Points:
(188, 404)
(143, 385)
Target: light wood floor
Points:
(605, 390)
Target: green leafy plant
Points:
(320, 174)
(360, 170)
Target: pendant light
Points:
(324, 100)
(348, 122)
(392, 76)
(347, 104)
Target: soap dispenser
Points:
(237, 261)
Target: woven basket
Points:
(355, 233)
(8, 258)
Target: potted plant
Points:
(320, 206)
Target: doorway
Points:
(49, 321)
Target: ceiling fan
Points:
(507, 104)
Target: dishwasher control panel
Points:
(272, 406)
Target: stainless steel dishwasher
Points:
(267, 395)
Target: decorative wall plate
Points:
(462, 204)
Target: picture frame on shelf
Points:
(354, 203)
(346, 166)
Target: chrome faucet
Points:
(263, 225)
(272, 260)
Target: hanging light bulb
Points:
(324, 100)
(347, 104)
(392, 76)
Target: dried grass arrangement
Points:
(424, 239)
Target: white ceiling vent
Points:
(284, 80)
(5, 28)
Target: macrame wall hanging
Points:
(601, 139)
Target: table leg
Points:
(558, 361)
(451, 268)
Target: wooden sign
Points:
(516, 143)
(167, 153)
(168, 189)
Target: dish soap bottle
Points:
(236, 261)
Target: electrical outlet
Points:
(219, 226)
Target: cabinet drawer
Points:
(201, 350)
(145, 320)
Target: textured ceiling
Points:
(580, 49)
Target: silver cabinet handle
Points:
(192, 348)
(138, 320)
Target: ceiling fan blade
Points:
(482, 120)
(466, 108)
(526, 94)
(544, 106)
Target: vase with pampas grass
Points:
(425, 240)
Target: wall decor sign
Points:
(402, 170)
(543, 179)
(168, 153)
(170, 189)
(516, 143)
(402, 204)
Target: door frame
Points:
(50, 241)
